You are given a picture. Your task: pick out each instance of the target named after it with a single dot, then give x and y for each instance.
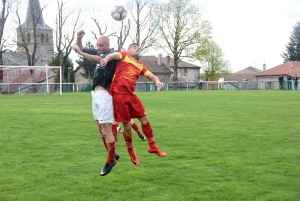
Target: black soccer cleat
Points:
(107, 168)
(143, 137)
(117, 156)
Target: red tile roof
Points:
(292, 67)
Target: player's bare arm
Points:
(93, 58)
(156, 80)
(80, 34)
(110, 57)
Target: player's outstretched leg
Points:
(133, 157)
(153, 148)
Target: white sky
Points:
(249, 32)
(252, 32)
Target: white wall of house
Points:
(271, 81)
(268, 78)
(189, 74)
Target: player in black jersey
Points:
(102, 104)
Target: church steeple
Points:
(41, 34)
(34, 8)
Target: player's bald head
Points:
(104, 39)
(103, 44)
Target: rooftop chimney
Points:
(159, 59)
(264, 67)
(168, 61)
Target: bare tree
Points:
(67, 24)
(144, 23)
(4, 45)
(101, 30)
(181, 29)
(121, 34)
(5, 11)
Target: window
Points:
(47, 38)
(42, 38)
(269, 85)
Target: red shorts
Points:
(127, 106)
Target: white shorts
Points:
(102, 106)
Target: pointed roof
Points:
(249, 69)
(290, 67)
(153, 66)
(34, 7)
(180, 63)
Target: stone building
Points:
(44, 38)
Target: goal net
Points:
(30, 79)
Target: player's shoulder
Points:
(112, 50)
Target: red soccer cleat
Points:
(157, 151)
(135, 160)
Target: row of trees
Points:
(176, 27)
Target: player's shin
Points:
(148, 131)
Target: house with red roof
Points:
(272, 74)
(270, 77)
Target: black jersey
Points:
(103, 75)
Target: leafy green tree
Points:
(89, 67)
(55, 61)
(212, 59)
(293, 47)
(181, 29)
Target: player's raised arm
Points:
(80, 35)
(156, 80)
(110, 57)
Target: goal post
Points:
(30, 79)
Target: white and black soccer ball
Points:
(118, 13)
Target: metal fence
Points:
(23, 88)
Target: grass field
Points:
(221, 145)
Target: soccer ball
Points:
(118, 13)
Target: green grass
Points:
(221, 145)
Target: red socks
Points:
(147, 130)
(111, 152)
(111, 149)
(128, 141)
(136, 128)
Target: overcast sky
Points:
(249, 32)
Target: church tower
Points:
(44, 33)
